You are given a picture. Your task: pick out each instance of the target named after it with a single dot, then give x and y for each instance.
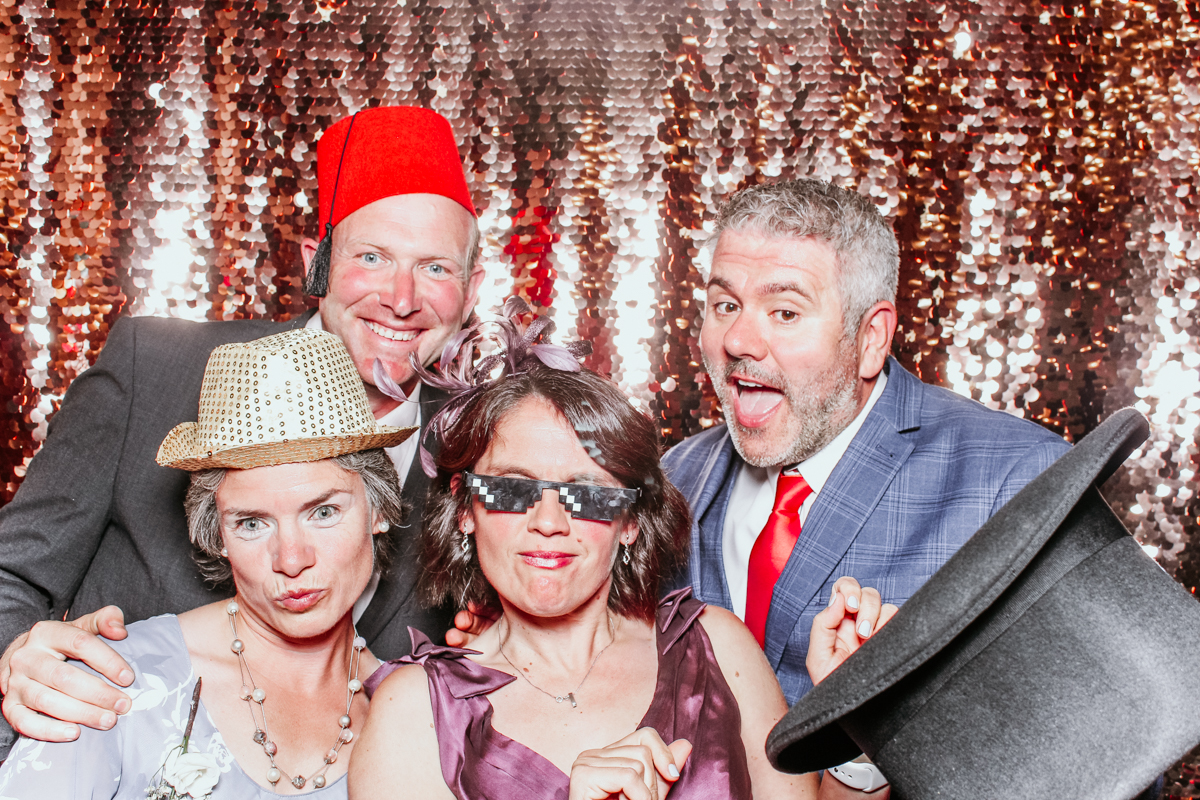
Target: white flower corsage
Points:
(184, 774)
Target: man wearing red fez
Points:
(97, 523)
(395, 267)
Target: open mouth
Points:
(755, 401)
(391, 335)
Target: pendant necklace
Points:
(569, 696)
(255, 697)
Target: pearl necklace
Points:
(255, 696)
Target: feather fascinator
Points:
(463, 377)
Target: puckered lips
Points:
(299, 600)
(545, 559)
(754, 401)
(393, 334)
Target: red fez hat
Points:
(377, 153)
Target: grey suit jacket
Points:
(98, 522)
(924, 472)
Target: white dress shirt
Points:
(402, 416)
(753, 498)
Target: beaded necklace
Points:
(255, 697)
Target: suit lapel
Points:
(709, 501)
(853, 490)
(398, 583)
(295, 323)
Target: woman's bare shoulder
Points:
(407, 684)
(727, 632)
(399, 738)
(738, 655)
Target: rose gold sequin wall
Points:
(1039, 161)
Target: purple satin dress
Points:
(691, 701)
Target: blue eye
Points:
(324, 512)
(253, 524)
(371, 259)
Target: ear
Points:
(629, 532)
(875, 339)
(472, 294)
(308, 249)
(466, 519)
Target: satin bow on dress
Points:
(691, 701)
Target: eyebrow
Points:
(767, 290)
(783, 287)
(316, 501)
(322, 499)
(501, 470)
(457, 260)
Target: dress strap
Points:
(462, 676)
(676, 613)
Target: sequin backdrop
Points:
(1039, 161)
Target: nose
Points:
(548, 517)
(401, 293)
(744, 338)
(292, 552)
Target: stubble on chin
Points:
(814, 412)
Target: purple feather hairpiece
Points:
(463, 380)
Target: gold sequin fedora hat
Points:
(291, 397)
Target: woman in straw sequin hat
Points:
(549, 508)
(259, 695)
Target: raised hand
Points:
(853, 615)
(639, 767)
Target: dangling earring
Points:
(625, 558)
(466, 542)
(224, 553)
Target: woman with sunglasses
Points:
(549, 508)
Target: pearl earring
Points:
(385, 526)
(224, 553)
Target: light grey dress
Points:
(122, 762)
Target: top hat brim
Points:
(181, 450)
(810, 738)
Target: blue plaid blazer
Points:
(924, 472)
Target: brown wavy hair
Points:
(617, 436)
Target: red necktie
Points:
(771, 551)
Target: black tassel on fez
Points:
(316, 282)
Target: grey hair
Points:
(204, 523)
(473, 250)
(865, 249)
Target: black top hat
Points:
(1049, 657)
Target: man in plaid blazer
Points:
(798, 325)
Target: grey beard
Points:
(822, 408)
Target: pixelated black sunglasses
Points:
(600, 503)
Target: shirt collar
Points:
(405, 415)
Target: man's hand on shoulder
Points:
(46, 698)
(468, 624)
